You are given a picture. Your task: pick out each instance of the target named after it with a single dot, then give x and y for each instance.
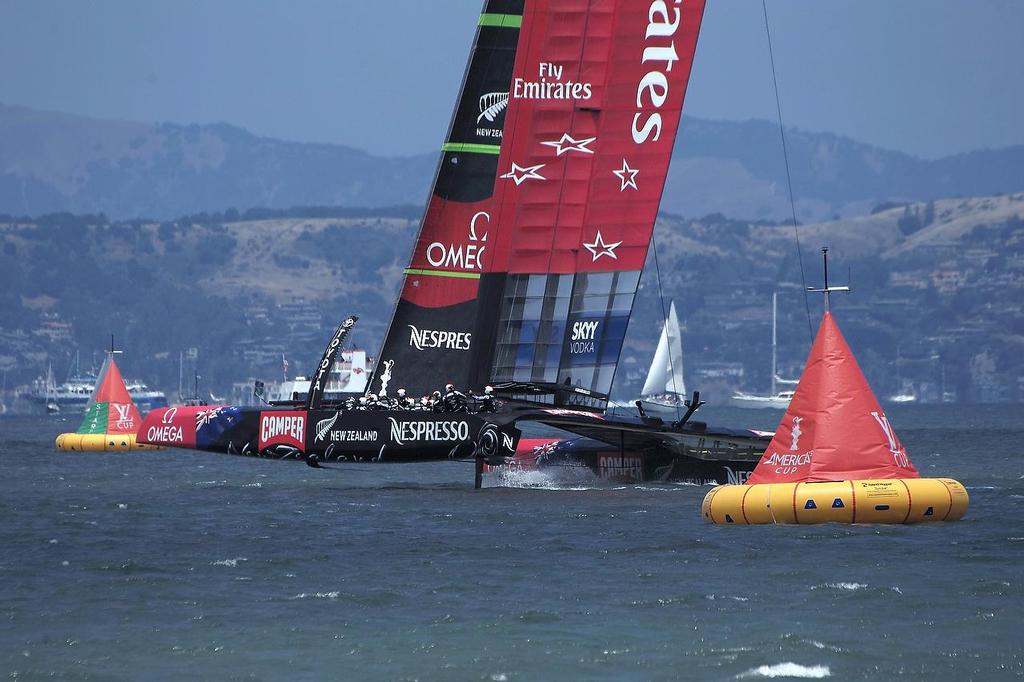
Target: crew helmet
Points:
(488, 390)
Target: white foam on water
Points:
(660, 488)
(691, 483)
(571, 479)
(520, 478)
(821, 645)
(713, 597)
(789, 669)
(317, 595)
(848, 587)
(229, 562)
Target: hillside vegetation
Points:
(937, 302)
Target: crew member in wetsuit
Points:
(402, 402)
(454, 401)
(487, 400)
(436, 404)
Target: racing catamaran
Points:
(527, 261)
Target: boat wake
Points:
(564, 478)
(788, 669)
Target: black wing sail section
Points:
(432, 336)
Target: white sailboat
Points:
(664, 390)
(776, 399)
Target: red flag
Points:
(834, 429)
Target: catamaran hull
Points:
(330, 435)
(627, 449)
(610, 464)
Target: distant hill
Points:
(738, 169)
(938, 300)
(52, 162)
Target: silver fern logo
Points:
(324, 425)
(492, 105)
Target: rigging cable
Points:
(789, 180)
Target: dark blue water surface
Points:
(176, 564)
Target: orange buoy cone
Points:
(111, 418)
(835, 457)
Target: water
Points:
(176, 564)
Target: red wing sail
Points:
(111, 409)
(533, 279)
(834, 429)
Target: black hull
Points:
(614, 449)
(614, 466)
(640, 468)
(627, 449)
(331, 435)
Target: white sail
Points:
(666, 373)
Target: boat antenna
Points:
(826, 290)
(789, 179)
(113, 352)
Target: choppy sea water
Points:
(176, 564)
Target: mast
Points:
(74, 372)
(775, 301)
(826, 290)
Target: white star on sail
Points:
(568, 143)
(627, 175)
(600, 248)
(528, 173)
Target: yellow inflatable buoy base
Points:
(887, 500)
(100, 442)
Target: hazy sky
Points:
(930, 77)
